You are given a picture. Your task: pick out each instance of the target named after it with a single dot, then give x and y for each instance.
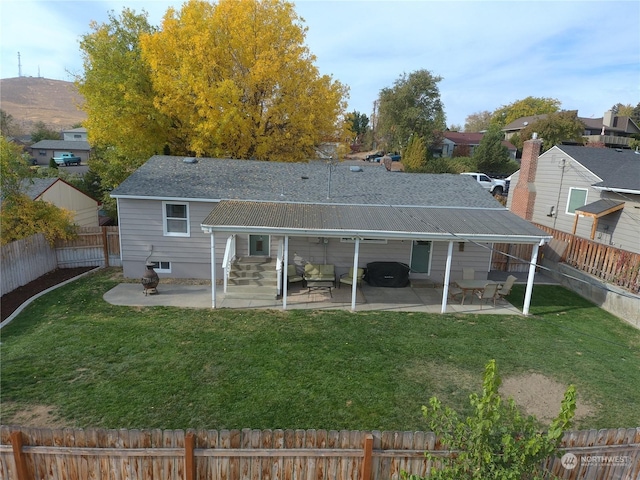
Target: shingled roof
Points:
(344, 199)
(617, 168)
(313, 182)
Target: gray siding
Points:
(553, 184)
(141, 237)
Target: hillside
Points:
(29, 100)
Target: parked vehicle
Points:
(395, 157)
(494, 185)
(67, 159)
(371, 157)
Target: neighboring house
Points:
(180, 214)
(44, 150)
(75, 135)
(610, 130)
(466, 143)
(590, 192)
(64, 195)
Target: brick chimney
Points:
(524, 193)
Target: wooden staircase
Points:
(253, 278)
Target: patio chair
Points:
(347, 278)
(489, 292)
(293, 276)
(453, 291)
(505, 289)
(468, 274)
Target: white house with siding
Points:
(191, 217)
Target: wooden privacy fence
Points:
(29, 258)
(511, 257)
(610, 264)
(76, 454)
(25, 260)
(93, 246)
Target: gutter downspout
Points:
(532, 272)
(447, 274)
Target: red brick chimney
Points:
(524, 193)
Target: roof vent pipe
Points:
(534, 136)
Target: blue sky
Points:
(489, 53)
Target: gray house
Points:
(44, 150)
(590, 192)
(194, 218)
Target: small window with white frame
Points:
(161, 267)
(577, 198)
(175, 219)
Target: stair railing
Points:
(228, 259)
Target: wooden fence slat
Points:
(76, 454)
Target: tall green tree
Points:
(237, 80)
(124, 126)
(554, 129)
(8, 125)
(491, 155)
(477, 122)
(524, 108)
(358, 124)
(41, 131)
(411, 106)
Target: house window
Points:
(175, 219)
(42, 153)
(382, 241)
(577, 198)
(162, 267)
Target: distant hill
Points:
(29, 100)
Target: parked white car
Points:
(495, 186)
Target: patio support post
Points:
(354, 286)
(213, 270)
(285, 270)
(447, 274)
(532, 272)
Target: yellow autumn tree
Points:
(237, 80)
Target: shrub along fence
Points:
(29, 258)
(77, 454)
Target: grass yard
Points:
(91, 364)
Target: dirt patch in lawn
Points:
(35, 416)
(541, 396)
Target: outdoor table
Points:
(473, 286)
(320, 285)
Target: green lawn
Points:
(99, 365)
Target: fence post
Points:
(105, 247)
(366, 462)
(189, 458)
(18, 455)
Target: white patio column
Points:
(447, 274)
(532, 272)
(285, 275)
(354, 286)
(213, 270)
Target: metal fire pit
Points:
(150, 280)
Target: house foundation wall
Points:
(614, 300)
